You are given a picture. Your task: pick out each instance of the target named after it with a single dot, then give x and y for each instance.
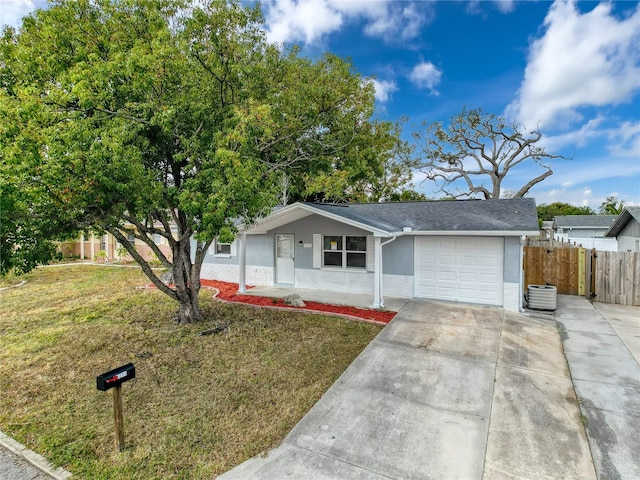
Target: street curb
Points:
(33, 458)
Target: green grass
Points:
(199, 405)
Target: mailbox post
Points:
(114, 379)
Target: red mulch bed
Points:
(228, 292)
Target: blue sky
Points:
(573, 68)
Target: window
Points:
(344, 251)
(223, 248)
(130, 236)
(219, 249)
(158, 239)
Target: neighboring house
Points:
(585, 230)
(626, 229)
(547, 229)
(464, 251)
(106, 247)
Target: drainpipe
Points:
(379, 272)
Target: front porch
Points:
(324, 296)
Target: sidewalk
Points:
(602, 346)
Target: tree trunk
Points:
(186, 276)
(189, 311)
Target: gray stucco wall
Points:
(303, 231)
(629, 237)
(511, 272)
(397, 256)
(259, 250)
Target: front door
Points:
(285, 271)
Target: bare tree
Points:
(479, 149)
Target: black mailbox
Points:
(115, 377)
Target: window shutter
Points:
(232, 248)
(371, 254)
(317, 250)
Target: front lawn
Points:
(199, 405)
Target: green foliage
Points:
(611, 206)
(24, 235)
(548, 212)
(375, 166)
(162, 114)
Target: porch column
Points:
(82, 246)
(93, 247)
(377, 273)
(242, 281)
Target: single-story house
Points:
(464, 251)
(105, 247)
(626, 229)
(582, 226)
(585, 230)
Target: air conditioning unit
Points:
(543, 297)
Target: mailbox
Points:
(115, 377)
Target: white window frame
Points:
(130, 235)
(214, 249)
(345, 253)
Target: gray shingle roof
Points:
(621, 220)
(584, 221)
(517, 214)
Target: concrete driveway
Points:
(444, 392)
(602, 345)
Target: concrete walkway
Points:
(334, 298)
(602, 346)
(444, 392)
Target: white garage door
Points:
(460, 269)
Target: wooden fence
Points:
(617, 278)
(562, 267)
(608, 277)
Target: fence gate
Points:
(568, 269)
(617, 278)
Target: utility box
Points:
(115, 377)
(543, 297)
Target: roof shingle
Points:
(517, 214)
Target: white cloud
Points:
(625, 140)
(306, 21)
(505, 6)
(580, 137)
(426, 75)
(384, 89)
(310, 21)
(589, 59)
(12, 11)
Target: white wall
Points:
(605, 244)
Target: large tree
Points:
(174, 117)
(549, 212)
(377, 166)
(476, 151)
(611, 206)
